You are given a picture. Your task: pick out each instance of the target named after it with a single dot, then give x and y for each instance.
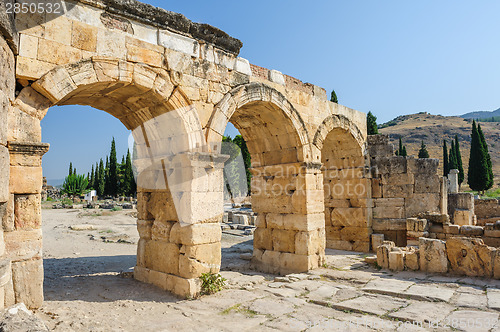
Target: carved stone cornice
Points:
(28, 148)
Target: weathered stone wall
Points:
(141, 65)
(457, 255)
(8, 45)
(461, 209)
(487, 210)
(402, 187)
(347, 193)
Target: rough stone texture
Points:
(487, 210)
(433, 256)
(18, 318)
(27, 277)
(470, 257)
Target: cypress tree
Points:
(404, 154)
(453, 159)
(478, 175)
(371, 124)
(102, 179)
(95, 184)
(423, 153)
(333, 97)
(458, 157)
(129, 176)
(113, 171)
(70, 169)
(106, 177)
(487, 156)
(446, 160)
(91, 178)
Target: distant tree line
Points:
(110, 179)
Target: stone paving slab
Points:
(324, 292)
(430, 292)
(375, 305)
(472, 320)
(387, 286)
(423, 312)
(493, 296)
(470, 297)
(269, 306)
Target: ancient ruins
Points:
(318, 180)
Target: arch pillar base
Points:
(290, 234)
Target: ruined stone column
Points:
(179, 223)
(22, 225)
(290, 234)
(453, 181)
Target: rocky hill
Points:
(481, 114)
(433, 129)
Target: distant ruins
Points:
(318, 181)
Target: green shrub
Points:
(67, 201)
(212, 283)
(49, 199)
(116, 208)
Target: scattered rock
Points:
(19, 319)
(84, 227)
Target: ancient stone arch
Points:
(166, 79)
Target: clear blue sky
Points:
(388, 57)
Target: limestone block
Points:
(396, 260)
(206, 253)
(28, 46)
(271, 261)
(32, 103)
(419, 203)
(393, 191)
(161, 206)
(193, 268)
(161, 230)
(390, 165)
(470, 256)
(25, 180)
(283, 240)
(111, 43)
(23, 245)
(433, 256)
(276, 77)
(309, 243)
(463, 217)
(195, 233)
(162, 256)
(412, 259)
(425, 166)
(293, 263)
(262, 239)
(31, 69)
(27, 211)
(4, 174)
(338, 244)
(389, 224)
(23, 127)
(84, 37)
(7, 210)
(377, 240)
(10, 297)
(361, 202)
(144, 228)
(141, 251)
(376, 188)
(141, 274)
(391, 212)
(338, 203)
(56, 53)
(383, 254)
(385, 202)
(496, 264)
(417, 225)
(138, 53)
(27, 278)
(178, 43)
(427, 183)
(451, 229)
(468, 230)
(397, 179)
(416, 235)
(242, 65)
(187, 288)
(352, 217)
(491, 232)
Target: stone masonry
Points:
(176, 84)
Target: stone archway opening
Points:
(286, 187)
(347, 192)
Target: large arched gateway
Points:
(176, 85)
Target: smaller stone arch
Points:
(337, 121)
(246, 94)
